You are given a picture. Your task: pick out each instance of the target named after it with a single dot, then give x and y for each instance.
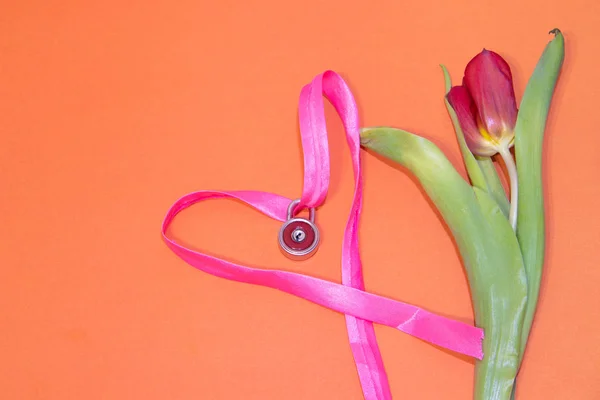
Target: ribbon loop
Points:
(361, 308)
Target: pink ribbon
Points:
(361, 308)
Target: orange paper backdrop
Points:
(112, 110)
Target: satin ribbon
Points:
(361, 308)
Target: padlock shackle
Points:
(293, 204)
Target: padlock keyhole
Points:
(298, 235)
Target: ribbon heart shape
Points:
(361, 308)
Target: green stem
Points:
(514, 185)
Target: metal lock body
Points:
(299, 237)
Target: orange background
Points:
(112, 110)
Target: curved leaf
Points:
(529, 135)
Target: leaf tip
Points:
(447, 79)
(365, 138)
(555, 32)
(558, 37)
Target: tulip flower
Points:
(486, 109)
(503, 257)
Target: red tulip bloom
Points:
(485, 104)
(486, 108)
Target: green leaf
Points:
(529, 134)
(507, 292)
(481, 170)
(487, 245)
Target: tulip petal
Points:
(489, 81)
(464, 107)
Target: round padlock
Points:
(299, 237)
